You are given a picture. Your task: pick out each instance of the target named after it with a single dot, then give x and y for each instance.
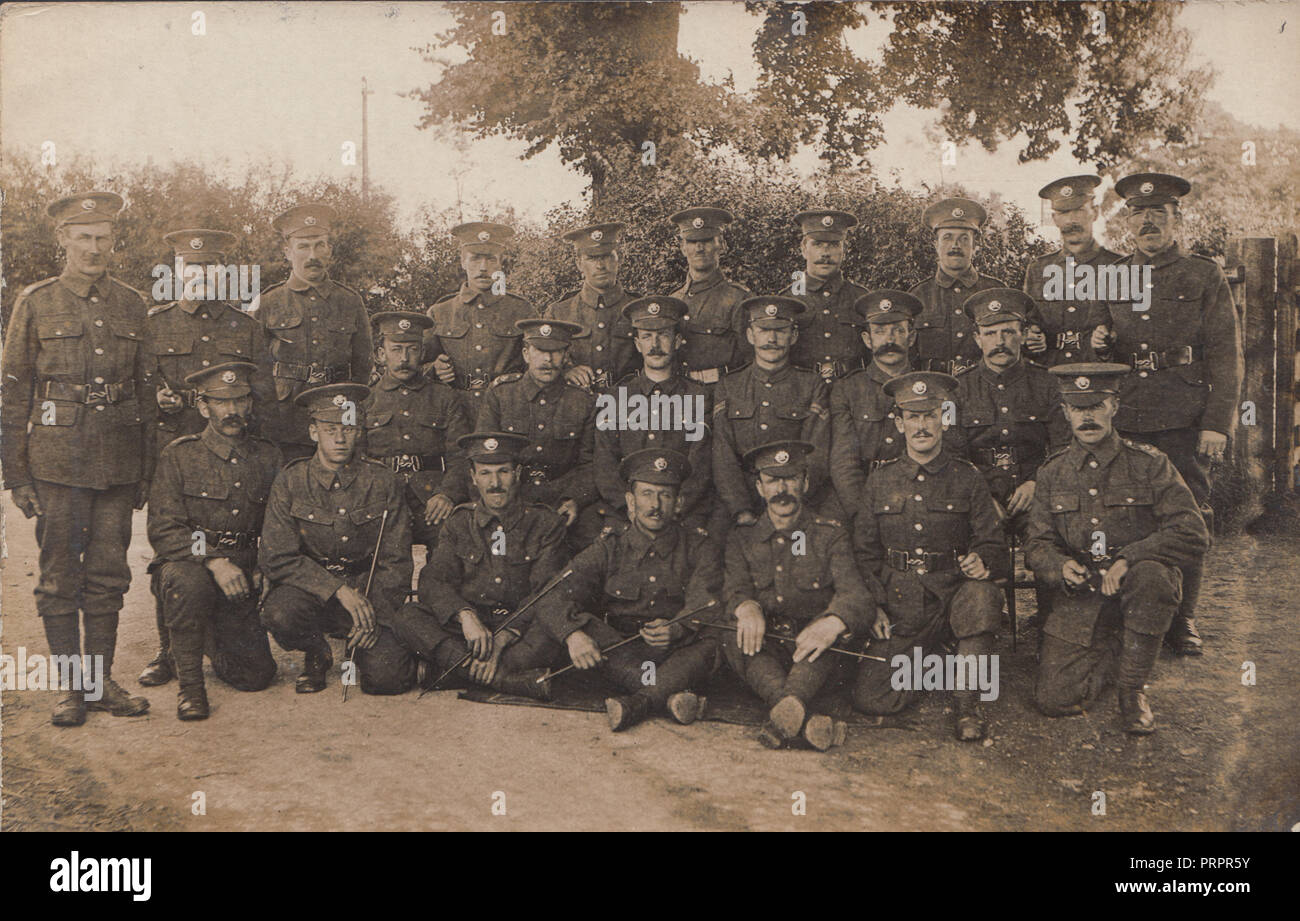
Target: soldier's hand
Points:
(443, 369)
(583, 650)
(746, 518)
(658, 632)
(1212, 445)
(973, 567)
(359, 607)
(1021, 499)
(750, 628)
(1100, 339)
(484, 670)
(229, 578)
(477, 637)
(25, 498)
(362, 639)
(257, 582)
(580, 376)
(1113, 577)
(1074, 573)
(169, 401)
(817, 637)
(436, 509)
(1036, 340)
(569, 509)
(881, 628)
(141, 494)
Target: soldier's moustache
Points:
(1149, 228)
(890, 348)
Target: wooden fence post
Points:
(1256, 297)
(1288, 350)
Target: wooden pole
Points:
(1256, 297)
(1285, 428)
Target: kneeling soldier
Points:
(328, 516)
(634, 582)
(205, 514)
(929, 544)
(790, 574)
(1111, 530)
(491, 556)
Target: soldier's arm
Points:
(868, 550)
(281, 558)
(706, 580)
(393, 570)
(854, 600)
(1045, 548)
(455, 483)
(817, 432)
(1059, 433)
(578, 483)
(170, 532)
(987, 537)
(363, 348)
(727, 473)
(443, 575)
(1223, 355)
(1180, 537)
(145, 366)
(737, 580)
(20, 348)
(566, 610)
(608, 482)
(846, 467)
(489, 413)
(261, 381)
(549, 558)
(697, 491)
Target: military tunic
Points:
(830, 340)
(863, 434)
(188, 336)
(714, 330)
(318, 334)
(605, 344)
(752, 407)
(944, 333)
(476, 331)
(412, 429)
(219, 488)
(1067, 324)
(560, 422)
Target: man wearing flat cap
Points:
(213, 486)
(317, 329)
(413, 424)
(1185, 352)
(1067, 319)
(602, 353)
(792, 591)
(929, 544)
(631, 583)
(657, 324)
(1112, 531)
(828, 341)
(77, 365)
(769, 400)
(473, 340)
(493, 553)
(944, 340)
(323, 527)
(713, 330)
(193, 334)
(557, 418)
(862, 417)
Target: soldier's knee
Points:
(386, 668)
(247, 676)
(873, 692)
(1054, 696)
(185, 581)
(1151, 594)
(976, 608)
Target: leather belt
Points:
(475, 382)
(837, 368)
(778, 624)
(1172, 358)
(879, 462)
(1071, 338)
(229, 540)
(922, 562)
(414, 463)
(709, 375)
(344, 567)
(954, 367)
(312, 373)
(1002, 456)
(537, 474)
(89, 393)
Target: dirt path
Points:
(1227, 756)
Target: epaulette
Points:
(737, 369)
(1139, 446)
(883, 462)
(508, 378)
(1057, 453)
(745, 524)
(339, 284)
(159, 308)
(280, 284)
(39, 284)
(626, 378)
(468, 506)
(446, 297)
(182, 439)
(964, 371)
(136, 291)
(568, 295)
(828, 521)
(853, 372)
(1209, 259)
(296, 461)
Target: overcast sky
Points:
(280, 82)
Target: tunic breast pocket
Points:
(949, 522)
(127, 337)
(382, 438)
(315, 525)
(173, 347)
(1130, 512)
(455, 327)
(1061, 503)
(206, 504)
(234, 347)
(432, 436)
(62, 348)
(625, 587)
(286, 334)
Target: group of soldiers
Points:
(868, 463)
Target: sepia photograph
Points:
(650, 416)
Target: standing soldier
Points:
(317, 329)
(323, 527)
(929, 544)
(1112, 530)
(943, 337)
(657, 324)
(790, 574)
(714, 328)
(603, 352)
(76, 367)
(769, 400)
(829, 342)
(213, 486)
(862, 418)
(189, 335)
(413, 424)
(631, 583)
(557, 418)
(474, 340)
(1067, 321)
(492, 554)
(1184, 343)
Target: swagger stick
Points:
(370, 577)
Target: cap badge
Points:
(697, 223)
(958, 212)
(88, 204)
(661, 463)
(995, 306)
(544, 329)
(1147, 188)
(1082, 383)
(309, 220)
(827, 221)
(403, 324)
(339, 399)
(597, 236)
(1067, 191)
(228, 377)
(782, 457)
(484, 236)
(885, 304)
(196, 243)
(770, 310)
(653, 310)
(491, 444)
(919, 388)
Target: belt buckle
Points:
(827, 369)
(336, 568)
(477, 383)
(409, 462)
(316, 374)
(1002, 458)
(1149, 363)
(227, 539)
(705, 375)
(96, 396)
(600, 379)
(1070, 338)
(536, 473)
(957, 366)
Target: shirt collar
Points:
(347, 474)
(967, 278)
(880, 375)
(390, 383)
(1009, 376)
(912, 468)
(766, 529)
(832, 284)
(468, 295)
(601, 300)
(508, 517)
(641, 543)
(82, 286)
(532, 388)
(764, 375)
(642, 384)
(1104, 451)
(710, 281)
(221, 447)
(1170, 253)
(297, 284)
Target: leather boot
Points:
(787, 717)
(626, 712)
(1183, 638)
(822, 732)
(686, 707)
(160, 670)
(117, 701)
(70, 710)
(192, 702)
(314, 667)
(524, 684)
(1134, 713)
(970, 725)
(187, 654)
